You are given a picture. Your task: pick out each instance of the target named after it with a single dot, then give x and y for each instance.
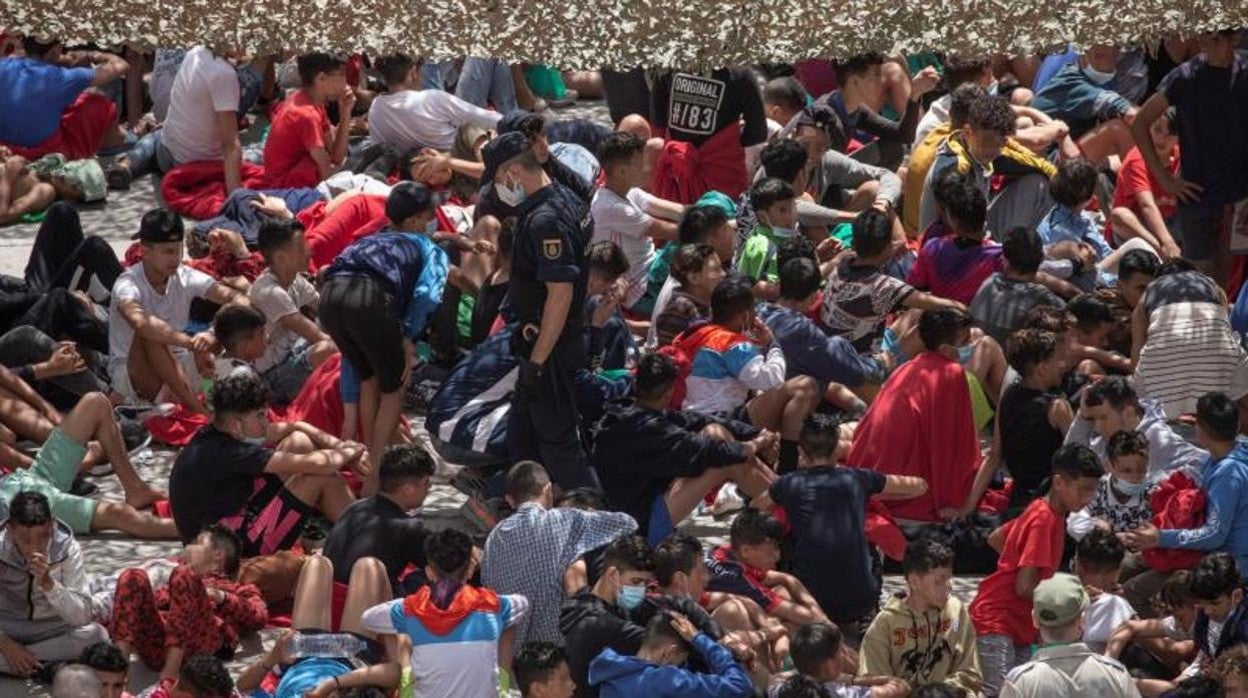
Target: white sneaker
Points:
(727, 501)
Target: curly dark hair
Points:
(992, 114)
(239, 392)
(207, 676)
(105, 656)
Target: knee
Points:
(731, 613)
(802, 388)
(296, 442)
(717, 431)
(1021, 96)
(30, 336)
(318, 566)
(95, 403)
(636, 125)
(368, 567)
(1023, 122)
(135, 577)
(182, 578)
(870, 187)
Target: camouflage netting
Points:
(621, 33)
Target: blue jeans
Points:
(436, 76)
(997, 656)
(484, 81)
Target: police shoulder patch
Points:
(552, 249)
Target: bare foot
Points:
(145, 497)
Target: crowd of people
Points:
(917, 314)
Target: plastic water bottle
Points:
(341, 645)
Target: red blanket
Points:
(197, 189)
(218, 263)
(685, 172)
(921, 425)
(83, 127)
(1177, 503)
(354, 218)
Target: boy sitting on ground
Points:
(774, 205)
(1122, 497)
(1098, 564)
(817, 654)
(656, 670)
(239, 330)
(541, 671)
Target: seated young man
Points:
(261, 480)
(657, 464)
(540, 670)
(1082, 95)
(922, 423)
(460, 634)
(703, 224)
(200, 608)
(409, 117)
(955, 266)
(45, 611)
(727, 364)
(302, 148)
(622, 214)
(656, 669)
(825, 506)
(1005, 297)
(296, 345)
(1141, 207)
(150, 356)
(202, 120)
(91, 423)
(747, 567)
(317, 607)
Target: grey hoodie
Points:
(1167, 451)
(21, 599)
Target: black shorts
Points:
(363, 320)
(271, 520)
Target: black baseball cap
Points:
(501, 149)
(406, 200)
(160, 225)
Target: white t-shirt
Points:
(206, 84)
(173, 306)
(1101, 617)
(625, 222)
(276, 303)
(660, 304)
(225, 366)
(936, 115)
(424, 118)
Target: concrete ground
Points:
(116, 221)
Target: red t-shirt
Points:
(1034, 539)
(1134, 177)
(299, 125)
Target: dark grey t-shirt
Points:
(1001, 303)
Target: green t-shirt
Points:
(757, 259)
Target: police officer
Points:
(549, 272)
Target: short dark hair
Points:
(813, 644)
(769, 191)
(606, 257)
(858, 65)
(924, 555)
(449, 551)
(535, 663)
(941, 326)
(1137, 262)
(1126, 443)
(967, 208)
(802, 686)
(618, 148)
(395, 68)
(1116, 391)
(799, 278)
(820, 437)
(783, 158)
(162, 224)
(1100, 551)
(656, 373)
(29, 508)
(1090, 311)
(1176, 592)
(1178, 265)
(1028, 348)
(949, 185)
(629, 552)
(1076, 461)
(1023, 249)
(221, 537)
(785, 91)
(679, 552)
(403, 463)
(1073, 183)
(234, 323)
(795, 247)
(961, 69)
(526, 480)
(105, 656)
(276, 233)
(659, 631)
(752, 527)
(873, 233)
(1218, 416)
(690, 259)
(731, 297)
(699, 222)
(207, 676)
(1215, 576)
(1201, 686)
(584, 498)
(992, 114)
(1048, 318)
(961, 98)
(34, 48)
(313, 64)
(239, 392)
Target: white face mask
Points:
(432, 226)
(512, 196)
(1096, 76)
(994, 86)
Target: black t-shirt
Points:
(212, 478)
(695, 107)
(376, 527)
(553, 230)
(826, 508)
(1028, 441)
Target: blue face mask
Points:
(965, 352)
(1096, 76)
(784, 232)
(1131, 489)
(432, 226)
(630, 597)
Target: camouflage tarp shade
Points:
(621, 33)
